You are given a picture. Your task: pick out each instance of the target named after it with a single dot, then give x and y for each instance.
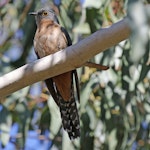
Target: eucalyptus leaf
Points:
(5, 125)
(93, 3)
(55, 122)
(112, 141)
(85, 93)
(92, 116)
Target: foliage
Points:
(115, 104)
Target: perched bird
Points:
(50, 38)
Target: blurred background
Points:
(115, 104)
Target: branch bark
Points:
(68, 59)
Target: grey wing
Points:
(50, 85)
(69, 42)
(77, 84)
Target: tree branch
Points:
(68, 59)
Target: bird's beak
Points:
(33, 13)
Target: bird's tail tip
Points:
(70, 118)
(74, 133)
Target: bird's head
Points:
(44, 13)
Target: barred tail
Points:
(70, 118)
(68, 109)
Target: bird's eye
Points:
(45, 13)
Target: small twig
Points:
(94, 65)
(24, 13)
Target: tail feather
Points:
(70, 118)
(68, 109)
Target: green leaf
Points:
(112, 141)
(82, 29)
(93, 3)
(92, 116)
(5, 125)
(55, 122)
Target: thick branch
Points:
(68, 59)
